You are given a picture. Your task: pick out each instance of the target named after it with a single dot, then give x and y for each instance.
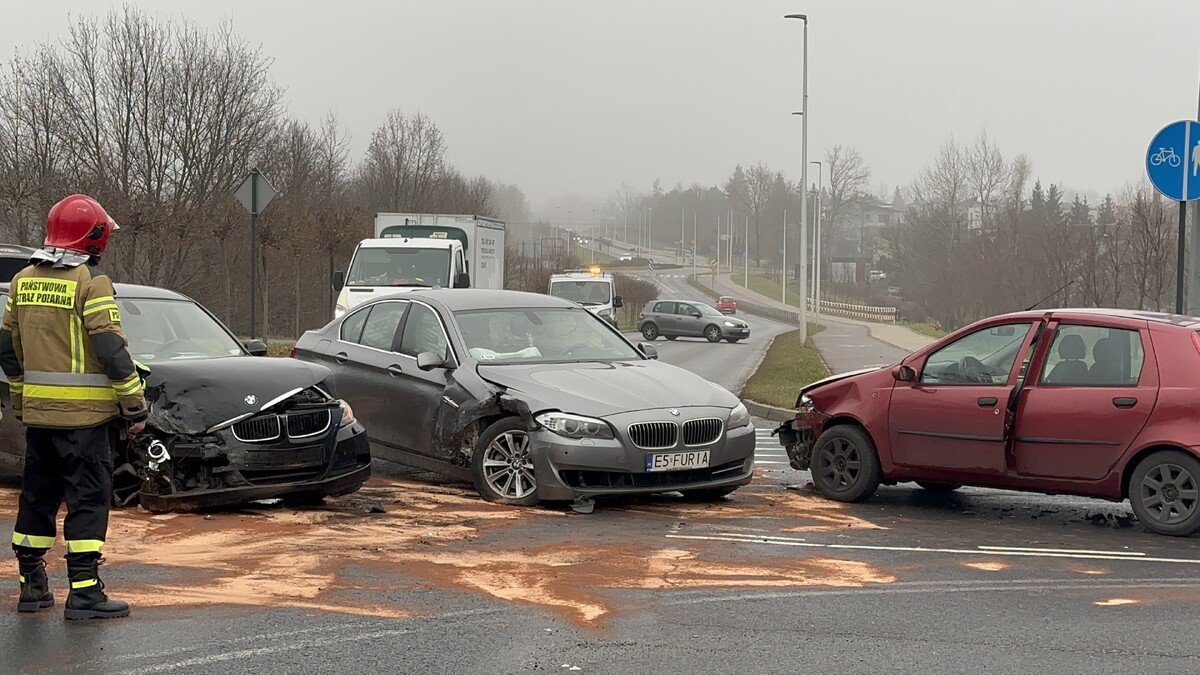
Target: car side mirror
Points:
(648, 350)
(339, 281)
(904, 373)
(618, 303)
(428, 361)
(255, 347)
(462, 280)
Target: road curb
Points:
(768, 412)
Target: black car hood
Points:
(192, 396)
(598, 389)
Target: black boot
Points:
(35, 587)
(87, 599)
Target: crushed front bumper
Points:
(569, 469)
(345, 473)
(798, 435)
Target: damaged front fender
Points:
(469, 405)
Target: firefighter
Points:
(70, 375)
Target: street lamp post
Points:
(804, 187)
(816, 274)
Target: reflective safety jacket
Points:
(63, 350)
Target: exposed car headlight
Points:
(739, 417)
(805, 404)
(347, 414)
(574, 426)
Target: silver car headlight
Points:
(805, 405)
(739, 417)
(574, 426)
(731, 324)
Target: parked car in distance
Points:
(531, 397)
(1092, 402)
(876, 275)
(726, 305)
(227, 424)
(679, 318)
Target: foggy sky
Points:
(564, 97)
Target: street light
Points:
(817, 244)
(804, 187)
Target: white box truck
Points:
(422, 250)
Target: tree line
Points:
(159, 119)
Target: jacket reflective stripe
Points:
(15, 386)
(69, 393)
(84, 584)
(129, 386)
(84, 545)
(32, 540)
(76, 344)
(96, 301)
(42, 377)
(100, 308)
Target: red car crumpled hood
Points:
(835, 378)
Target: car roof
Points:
(14, 251)
(467, 299)
(1092, 312)
(133, 291)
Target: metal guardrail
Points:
(860, 312)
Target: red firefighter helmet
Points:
(78, 223)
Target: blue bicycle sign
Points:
(1173, 161)
(1166, 155)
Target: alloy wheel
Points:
(1169, 493)
(840, 463)
(713, 334)
(507, 466)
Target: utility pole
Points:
(682, 234)
(783, 284)
(718, 251)
(804, 187)
(816, 256)
(746, 255)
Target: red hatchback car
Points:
(726, 305)
(1093, 402)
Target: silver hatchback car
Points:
(531, 397)
(684, 318)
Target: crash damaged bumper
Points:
(799, 435)
(224, 471)
(569, 469)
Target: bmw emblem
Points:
(251, 399)
(674, 412)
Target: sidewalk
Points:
(897, 336)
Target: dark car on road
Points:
(531, 397)
(227, 424)
(1100, 403)
(683, 318)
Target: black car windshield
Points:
(540, 335)
(399, 267)
(587, 293)
(162, 330)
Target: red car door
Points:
(953, 416)
(1095, 388)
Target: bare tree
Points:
(849, 178)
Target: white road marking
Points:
(759, 461)
(1067, 553)
(262, 651)
(1060, 550)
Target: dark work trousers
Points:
(74, 465)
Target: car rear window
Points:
(1094, 356)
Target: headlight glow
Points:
(738, 417)
(731, 324)
(574, 426)
(347, 414)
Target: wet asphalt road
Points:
(772, 580)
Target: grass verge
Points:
(786, 367)
(922, 328)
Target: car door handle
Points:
(1124, 401)
(395, 371)
(987, 401)
(340, 357)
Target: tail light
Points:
(641, 315)
(1196, 340)
(292, 353)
